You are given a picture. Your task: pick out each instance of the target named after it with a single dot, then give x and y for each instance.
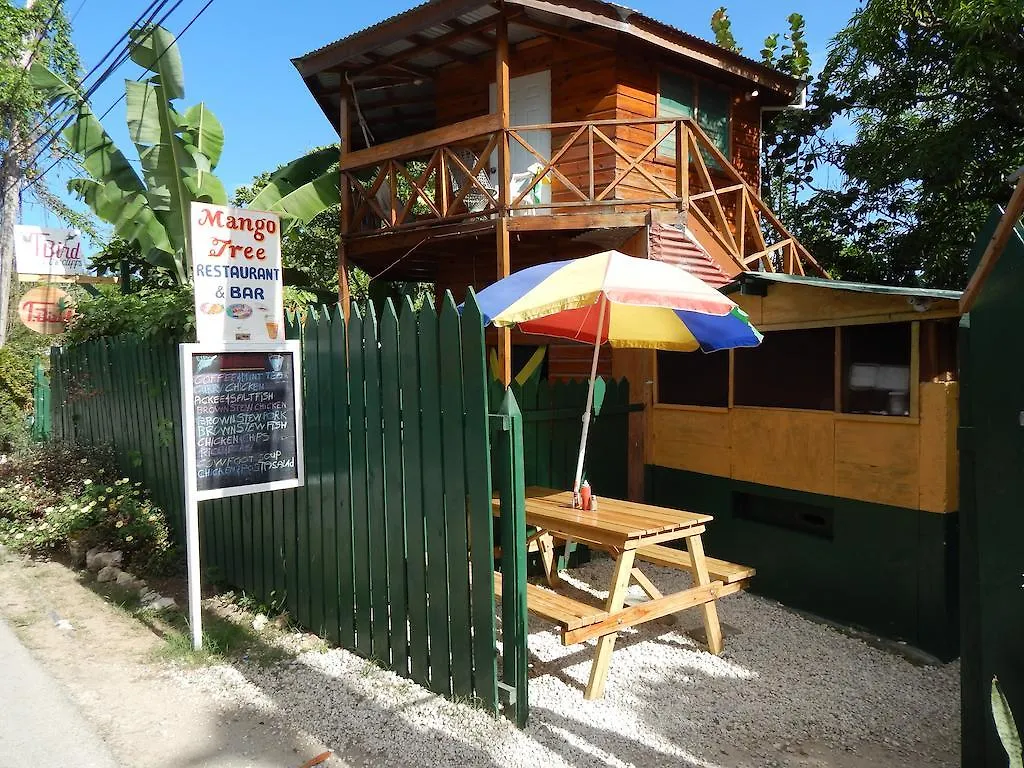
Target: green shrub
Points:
(17, 361)
(56, 494)
(152, 313)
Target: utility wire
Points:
(183, 31)
(176, 38)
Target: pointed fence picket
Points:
(388, 549)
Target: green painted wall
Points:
(888, 570)
(991, 442)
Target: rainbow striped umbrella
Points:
(624, 301)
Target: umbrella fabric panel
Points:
(714, 333)
(648, 283)
(547, 289)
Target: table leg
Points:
(700, 572)
(547, 556)
(606, 643)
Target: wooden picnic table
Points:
(629, 531)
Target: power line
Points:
(120, 98)
(177, 37)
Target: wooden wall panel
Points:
(698, 441)
(637, 367)
(745, 132)
(791, 449)
(877, 461)
(940, 462)
(792, 306)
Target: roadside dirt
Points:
(107, 663)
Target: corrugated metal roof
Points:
(840, 285)
(625, 13)
(675, 246)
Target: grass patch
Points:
(223, 640)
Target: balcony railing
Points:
(449, 175)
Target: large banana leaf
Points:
(154, 48)
(304, 203)
(133, 219)
(205, 187)
(165, 159)
(203, 131)
(87, 138)
(294, 175)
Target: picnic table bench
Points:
(628, 531)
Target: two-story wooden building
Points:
(480, 137)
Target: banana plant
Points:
(178, 150)
(1006, 727)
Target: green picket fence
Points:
(388, 550)
(553, 423)
(42, 425)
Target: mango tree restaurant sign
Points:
(48, 251)
(243, 418)
(236, 270)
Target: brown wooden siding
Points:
(582, 88)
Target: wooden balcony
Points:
(597, 174)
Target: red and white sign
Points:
(236, 271)
(46, 251)
(46, 309)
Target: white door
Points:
(529, 99)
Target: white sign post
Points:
(242, 409)
(242, 432)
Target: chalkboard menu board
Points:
(245, 430)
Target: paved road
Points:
(39, 725)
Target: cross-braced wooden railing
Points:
(447, 176)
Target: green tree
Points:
(721, 25)
(931, 92)
(311, 247)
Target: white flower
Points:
(84, 461)
(87, 482)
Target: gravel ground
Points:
(786, 692)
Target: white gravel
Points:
(786, 692)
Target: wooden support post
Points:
(502, 238)
(915, 369)
(606, 643)
(344, 134)
(837, 371)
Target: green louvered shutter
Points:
(713, 117)
(675, 99)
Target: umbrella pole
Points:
(590, 396)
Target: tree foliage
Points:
(721, 25)
(914, 123)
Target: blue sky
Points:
(237, 60)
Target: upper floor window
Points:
(683, 96)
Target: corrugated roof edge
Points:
(838, 285)
(632, 12)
